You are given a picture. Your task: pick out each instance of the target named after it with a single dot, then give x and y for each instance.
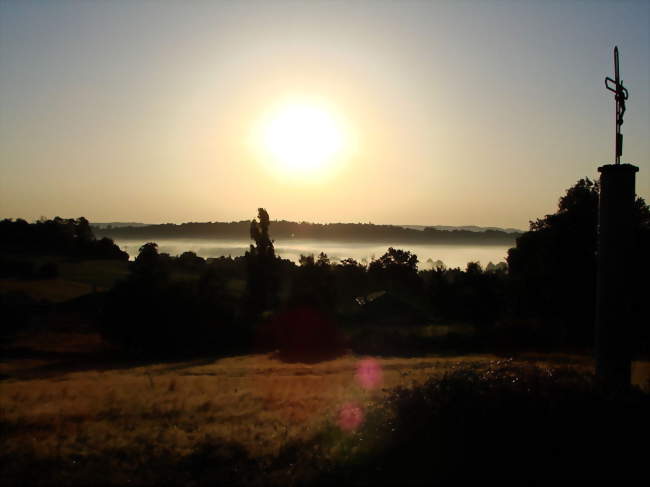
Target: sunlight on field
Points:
(253, 400)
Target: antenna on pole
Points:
(621, 94)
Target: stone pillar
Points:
(616, 250)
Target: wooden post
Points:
(616, 249)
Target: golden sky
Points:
(402, 112)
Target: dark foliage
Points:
(395, 271)
(553, 266)
(152, 314)
(474, 296)
(507, 425)
(314, 283)
(59, 236)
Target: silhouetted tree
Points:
(190, 261)
(396, 271)
(314, 283)
(149, 264)
(306, 260)
(83, 232)
(323, 260)
(553, 266)
(261, 263)
(351, 280)
(260, 235)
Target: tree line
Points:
(63, 237)
(282, 229)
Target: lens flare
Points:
(350, 416)
(369, 374)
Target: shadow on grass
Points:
(49, 365)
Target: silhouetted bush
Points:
(506, 425)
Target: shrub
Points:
(507, 424)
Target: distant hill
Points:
(469, 228)
(118, 224)
(346, 232)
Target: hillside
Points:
(282, 229)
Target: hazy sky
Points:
(453, 112)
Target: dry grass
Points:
(254, 400)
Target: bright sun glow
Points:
(302, 137)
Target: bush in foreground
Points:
(512, 425)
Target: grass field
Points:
(254, 400)
(75, 279)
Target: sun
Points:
(302, 137)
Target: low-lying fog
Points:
(451, 255)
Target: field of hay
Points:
(254, 400)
